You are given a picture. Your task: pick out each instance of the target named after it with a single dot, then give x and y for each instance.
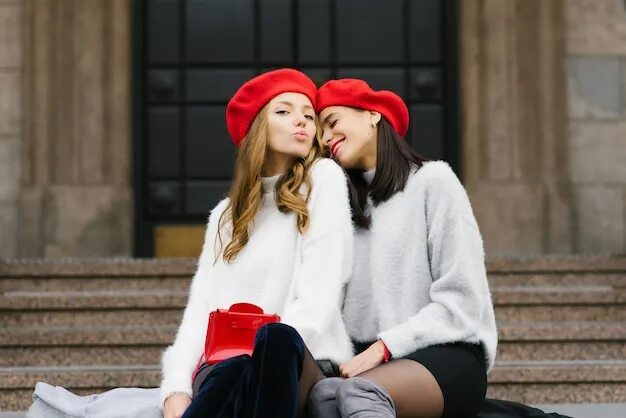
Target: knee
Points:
(277, 333)
(325, 390)
(357, 395)
(233, 365)
(321, 402)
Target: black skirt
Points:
(460, 371)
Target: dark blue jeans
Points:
(269, 384)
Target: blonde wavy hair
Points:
(246, 191)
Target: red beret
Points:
(356, 93)
(257, 92)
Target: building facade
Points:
(528, 99)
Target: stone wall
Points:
(543, 104)
(11, 12)
(76, 194)
(596, 81)
(544, 123)
(513, 120)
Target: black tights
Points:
(414, 390)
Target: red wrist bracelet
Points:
(386, 354)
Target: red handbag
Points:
(231, 332)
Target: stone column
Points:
(513, 118)
(76, 197)
(596, 67)
(11, 12)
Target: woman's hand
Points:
(175, 405)
(365, 361)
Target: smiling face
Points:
(350, 135)
(291, 126)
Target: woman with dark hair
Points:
(418, 306)
(287, 210)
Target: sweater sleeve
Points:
(459, 290)
(326, 261)
(179, 360)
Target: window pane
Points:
(370, 31)
(220, 31)
(210, 151)
(163, 142)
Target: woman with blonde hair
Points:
(282, 240)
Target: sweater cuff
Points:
(170, 387)
(398, 341)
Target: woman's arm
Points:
(180, 359)
(459, 293)
(326, 261)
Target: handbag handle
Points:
(245, 308)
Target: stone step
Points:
(68, 355)
(173, 315)
(104, 335)
(565, 312)
(563, 264)
(558, 371)
(181, 283)
(140, 267)
(25, 278)
(96, 355)
(557, 279)
(124, 344)
(559, 350)
(42, 284)
(528, 382)
(98, 267)
(574, 269)
(563, 331)
(92, 299)
(17, 383)
(558, 295)
(535, 382)
(24, 300)
(95, 317)
(163, 334)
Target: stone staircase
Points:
(91, 325)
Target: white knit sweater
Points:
(301, 277)
(419, 275)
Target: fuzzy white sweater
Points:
(301, 277)
(419, 274)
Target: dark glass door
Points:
(191, 55)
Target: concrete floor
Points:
(587, 410)
(604, 410)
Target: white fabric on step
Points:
(57, 402)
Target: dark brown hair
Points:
(394, 161)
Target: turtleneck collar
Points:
(269, 183)
(368, 176)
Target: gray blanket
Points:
(57, 402)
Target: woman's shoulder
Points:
(328, 180)
(218, 210)
(326, 173)
(442, 187)
(435, 175)
(436, 169)
(326, 168)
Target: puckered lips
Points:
(301, 135)
(336, 145)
